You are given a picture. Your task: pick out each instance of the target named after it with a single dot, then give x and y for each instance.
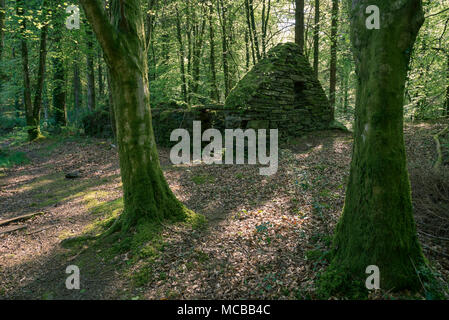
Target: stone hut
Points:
(280, 92)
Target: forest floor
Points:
(265, 237)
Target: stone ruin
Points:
(280, 92)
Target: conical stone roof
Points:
(279, 92)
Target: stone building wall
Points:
(280, 92)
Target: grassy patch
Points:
(202, 179)
(9, 159)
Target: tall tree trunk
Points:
(250, 30)
(32, 112)
(59, 89)
(254, 29)
(2, 25)
(77, 90)
(37, 107)
(91, 101)
(333, 62)
(266, 8)
(2, 34)
(377, 225)
(198, 37)
(447, 88)
(224, 42)
(247, 53)
(299, 24)
(100, 76)
(181, 57)
(147, 196)
(214, 94)
(316, 38)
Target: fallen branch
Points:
(40, 230)
(20, 218)
(12, 229)
(439, 151)
(432, 236)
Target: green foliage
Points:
(9, 159)
(202, 179)
(97, 124)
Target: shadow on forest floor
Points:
(266, 237)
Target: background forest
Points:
(198, 51)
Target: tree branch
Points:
(435, 14)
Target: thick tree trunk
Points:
(377, 225)
(333, 62)
(299, 24)
(316, 38)
(147, 196)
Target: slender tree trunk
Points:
(333, 62)
(299, 24)
(447, 88)
(224, 42)
(316, 38)
(197, 52)
(377, 225)
(32, 112)
(147, 196)
(266, 8)
(59, 89)
(39, 83)
(100, 76)
(77, 90)
(91, 99)
(2, 25)
(250, 32)
(214, 94)
(247, 53)
(181, 57)
(254, 29)
(2, 34)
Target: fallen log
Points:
(19, 218)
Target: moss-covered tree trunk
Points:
(377, 225)
(147, 196)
